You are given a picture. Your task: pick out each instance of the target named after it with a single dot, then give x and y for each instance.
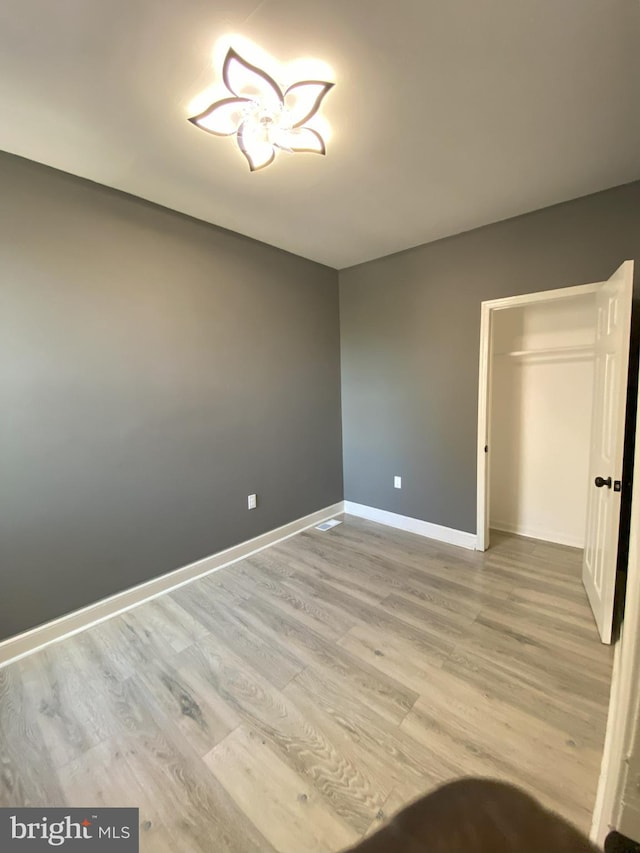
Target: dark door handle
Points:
(600, 482)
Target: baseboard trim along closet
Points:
(34, 639)
(530, 532)
(413, 525)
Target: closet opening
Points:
(540, 416)
(551, 418)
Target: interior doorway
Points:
(551, 418)
(609, 357)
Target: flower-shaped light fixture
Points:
(262, 116)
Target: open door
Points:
(607, 444)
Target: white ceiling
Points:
(446, 114)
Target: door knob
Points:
(600, 482)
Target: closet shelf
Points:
(551, 353)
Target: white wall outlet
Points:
(397, 482)
(252, 501)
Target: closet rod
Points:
(587, 349)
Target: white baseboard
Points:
(533, 532)
(79, 620)
(413, 525)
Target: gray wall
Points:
(410, 336)
(155, 370)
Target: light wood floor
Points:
(296, 699)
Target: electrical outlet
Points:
(397, 482)
(252, 501)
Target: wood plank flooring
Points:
(295, 700)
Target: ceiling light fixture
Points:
(263, 118)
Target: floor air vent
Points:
(327, 525)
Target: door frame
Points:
(487, 311)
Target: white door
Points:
(607, 444)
